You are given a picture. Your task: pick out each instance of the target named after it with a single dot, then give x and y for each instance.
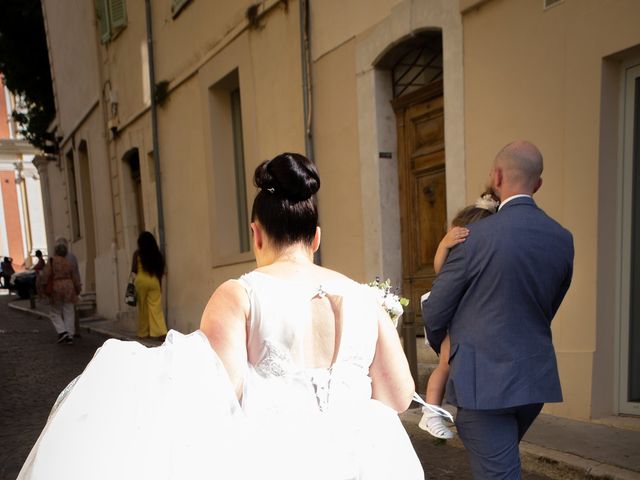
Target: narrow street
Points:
(34, 369)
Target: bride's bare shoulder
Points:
(229, 299)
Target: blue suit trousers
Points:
(491, 438)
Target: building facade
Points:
(22, 228)
(402, 104)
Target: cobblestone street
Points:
(442, 461)
(34, 369)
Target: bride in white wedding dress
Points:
(296, 372)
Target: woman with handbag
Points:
(62, 286)
(148, 267)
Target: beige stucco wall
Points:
(74, 61)
(336, 149)
(335, 22)
(270, 83)
(537, 74)
(75, 89)
(200, 28)
(192, 52)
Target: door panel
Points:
(421, 164)
(430, 217)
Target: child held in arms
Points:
(485, 206)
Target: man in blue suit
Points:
(496, 296)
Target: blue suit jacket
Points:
(496, 296)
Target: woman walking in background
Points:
(64, 287)
(40, 264)
(6, 270)
(148, 267)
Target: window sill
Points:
(234, 259)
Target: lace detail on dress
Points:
(321, 382)
(276, 361)
(356, 360)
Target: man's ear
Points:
(315, 245)
(258, 239)
(499, 177)
(538, 185)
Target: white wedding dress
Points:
(170, 412)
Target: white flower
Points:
(392, 303)
(487, 202)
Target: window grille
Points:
(414, 63)
(416, 69)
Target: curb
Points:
(551, 463)
(37, 313)
(105, 332)
(563, 466)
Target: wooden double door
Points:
(421, 171)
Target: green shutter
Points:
(176, 6)
(103, 20)
(117, 14)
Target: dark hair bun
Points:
(289, 175)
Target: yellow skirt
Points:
(149, 298)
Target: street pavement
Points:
(34, 369)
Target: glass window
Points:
(238, 160)
(634, 314)
(230, 215)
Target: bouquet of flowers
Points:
(392, 302)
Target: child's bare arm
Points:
(454, 236)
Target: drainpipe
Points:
(154, 127)
(307, 94)
(156, 147)
(305, 49)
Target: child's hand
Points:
(455, 236)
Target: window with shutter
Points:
(177, 6)
(117, 14)
(102, 17)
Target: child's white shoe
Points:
(434, 424)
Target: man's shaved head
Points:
(521, 164)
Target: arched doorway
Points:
(87, 217)
(132, 195)
(416, 69)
